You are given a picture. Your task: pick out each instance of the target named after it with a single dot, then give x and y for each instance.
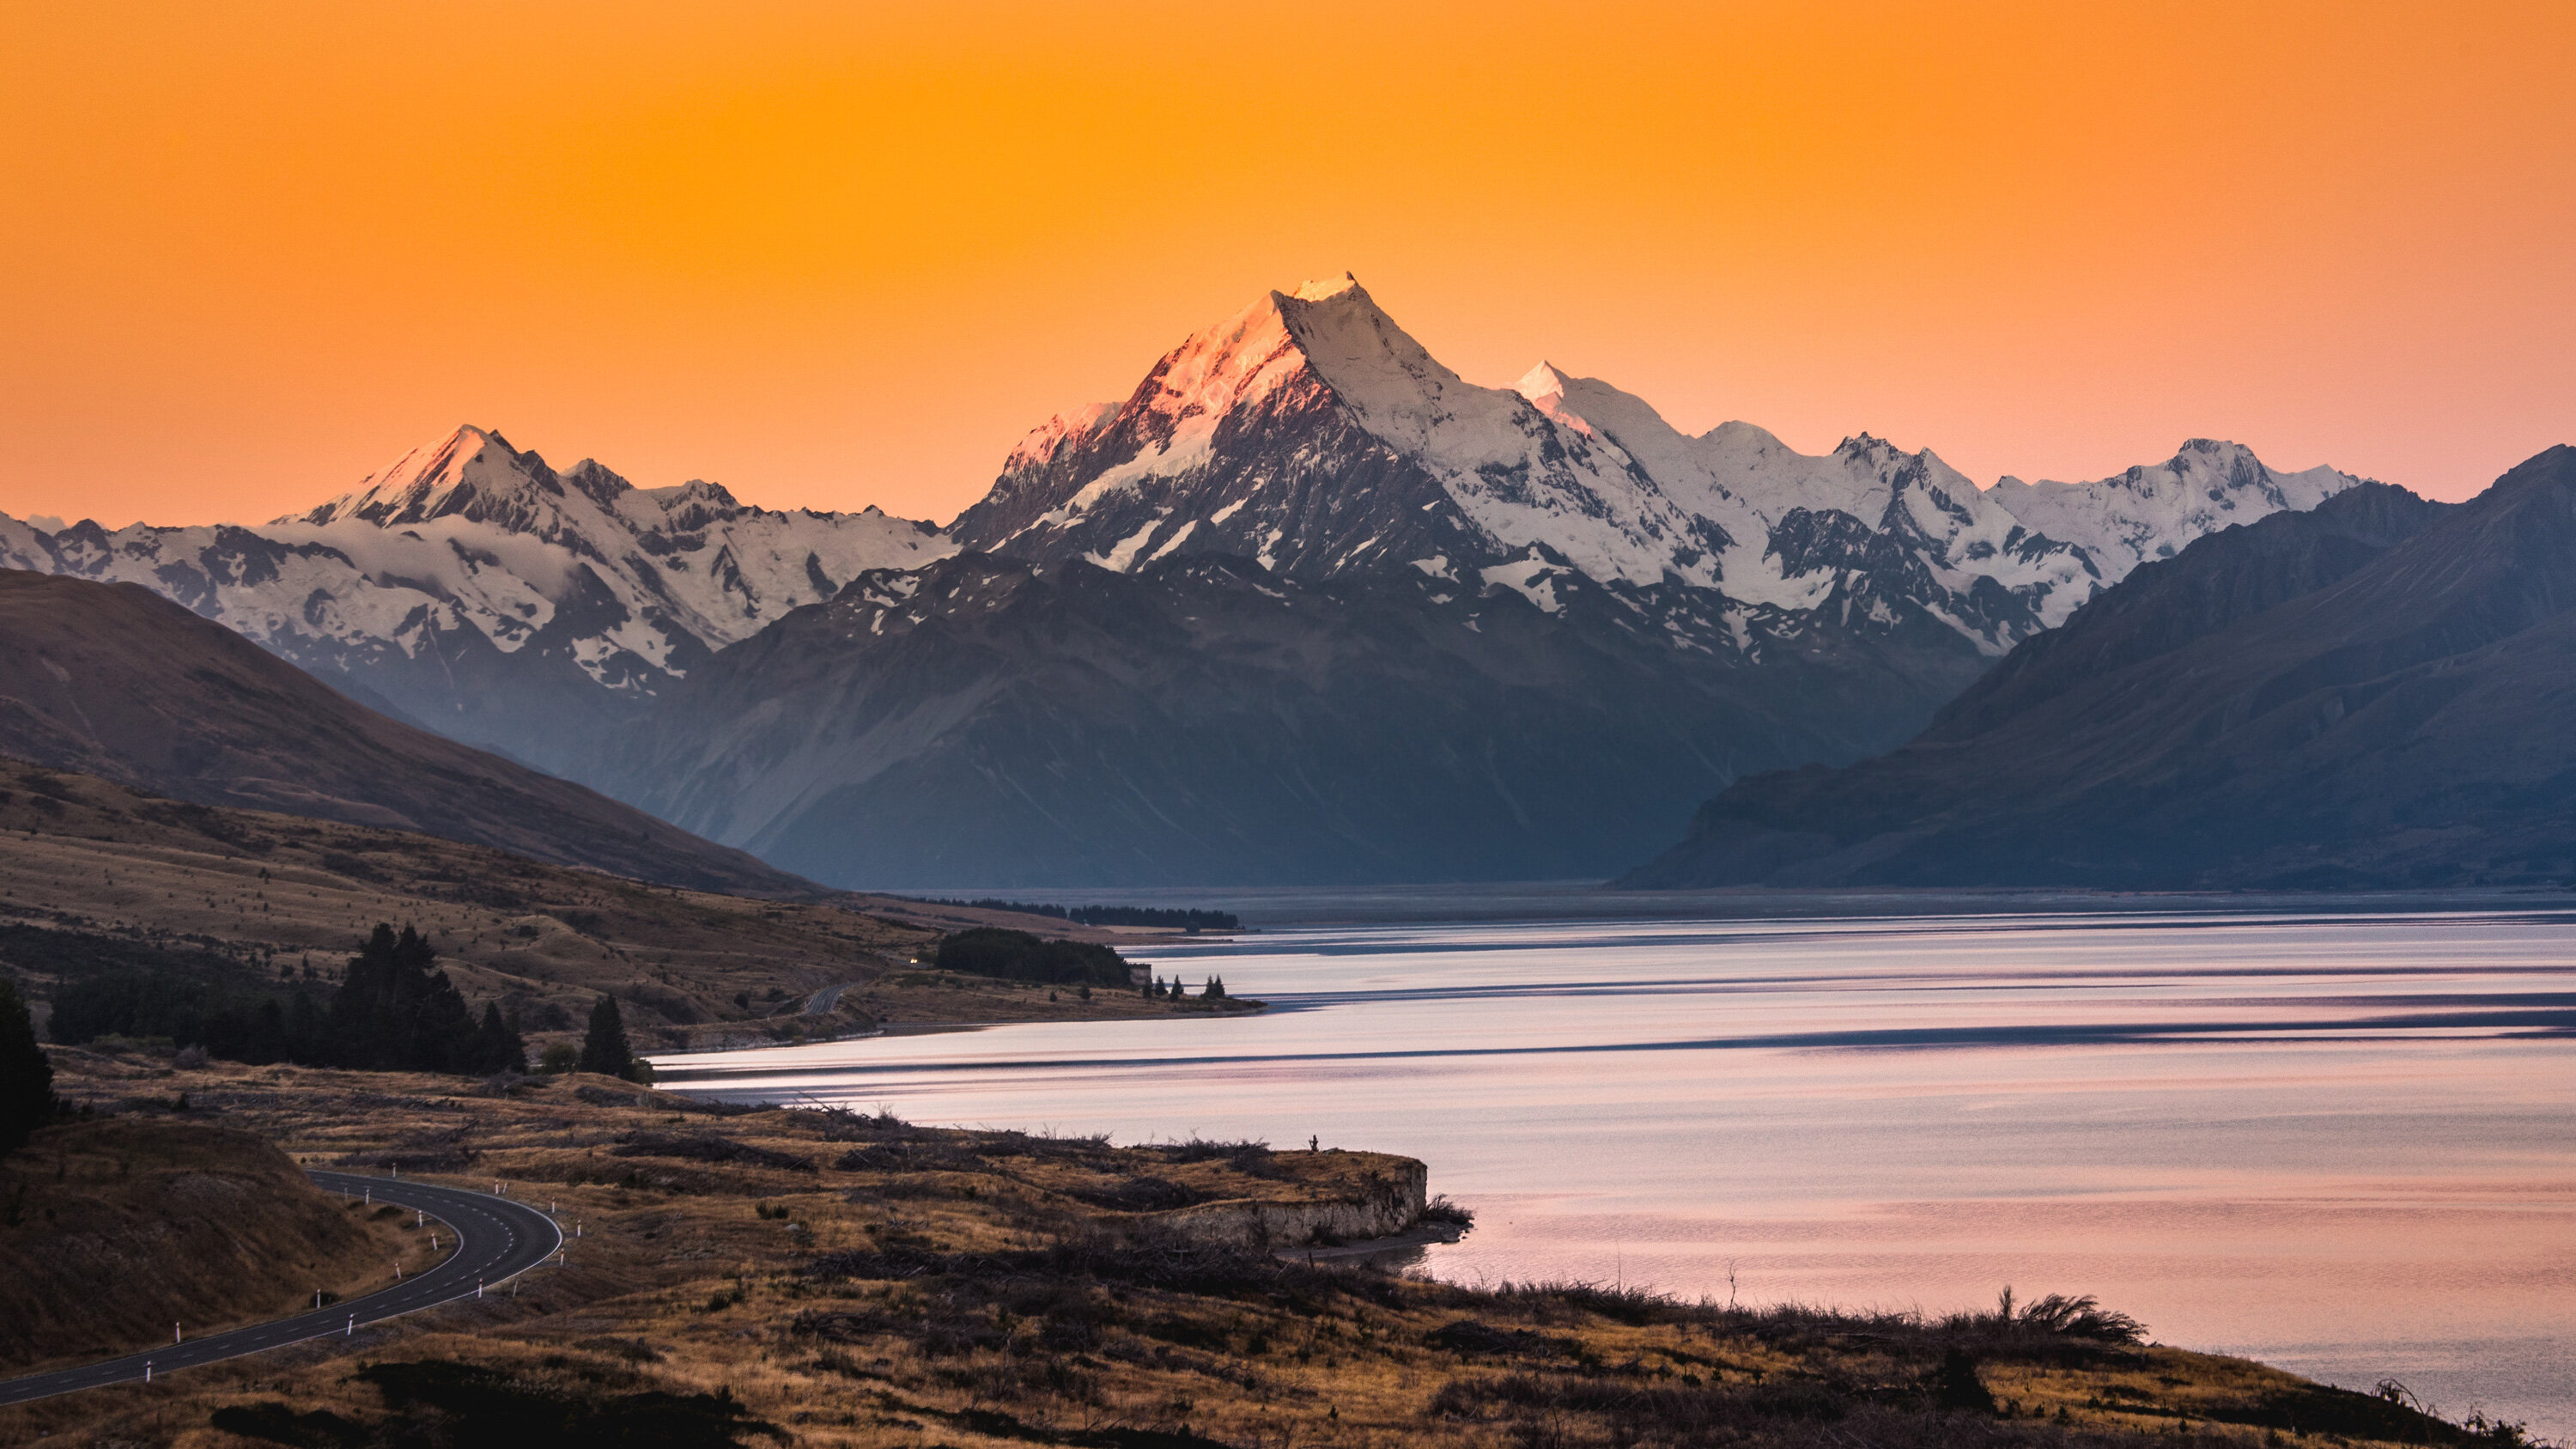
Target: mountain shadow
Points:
(116, 681)
(2372, 693)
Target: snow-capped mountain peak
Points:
(1313, 433)
(1543, 385)
(467, 556)
(2153, 510)
(1328, 288)
(468, 470)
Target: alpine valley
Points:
(1305, 607)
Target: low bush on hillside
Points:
(440, 1403)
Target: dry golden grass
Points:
(111, 1230)
(78, 853)
(855, 1281)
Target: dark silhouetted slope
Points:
(116, 681)
(2373, 692)
(1204, 720)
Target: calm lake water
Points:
(2345, 1145)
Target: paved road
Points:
(825, 999)
(497, 1240)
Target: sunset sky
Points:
(841, 254)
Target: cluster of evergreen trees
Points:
(1169, 920)
(1019, 956)
(1173, 990)
(27, 1099)
(393, 1011)
(396, 1012)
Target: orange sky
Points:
(835, 254)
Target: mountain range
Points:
(472, 589)
(2371, 693)
(1306, 606)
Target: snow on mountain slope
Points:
(473, 588)
(690, 554)
(1815, 520)
(2151, 512)
(470, 534)
(1519, 478)
(1312, 433)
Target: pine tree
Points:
(603, 1048)
(27, 1099)
(304, 1031)
(497, 1045)
(268, 1042)
(394, 1013)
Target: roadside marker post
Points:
(147, 1370)
(353, 1326)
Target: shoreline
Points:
(1266, 909)
(829, 1267)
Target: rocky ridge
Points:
(1312, 433)
(471, 588)
(2371, 694)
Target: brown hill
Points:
(116, 681)
(97, 876)
(113, 1230)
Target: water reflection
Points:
(2342, 1144)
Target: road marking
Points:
(424, 1291)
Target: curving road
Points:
(497, 1240)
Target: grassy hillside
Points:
(116, 681)
(114, 1229)
(96, 876)
(809, 1278)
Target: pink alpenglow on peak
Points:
(1328, 288)
(1312, 433)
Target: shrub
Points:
(1449, 1214)
(709, 1148)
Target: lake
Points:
(2342, 1144)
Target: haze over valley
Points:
(1305, 607)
